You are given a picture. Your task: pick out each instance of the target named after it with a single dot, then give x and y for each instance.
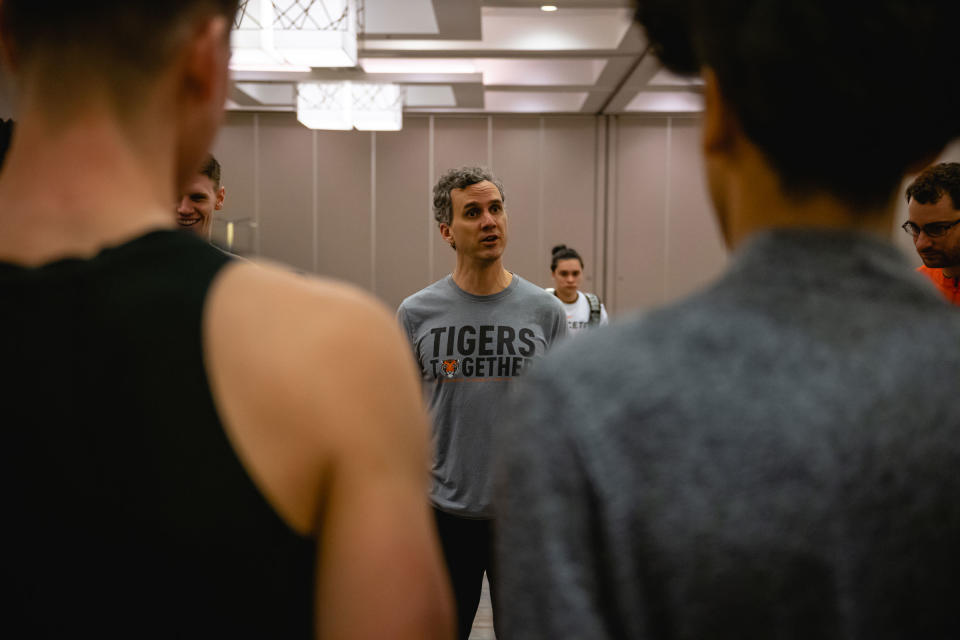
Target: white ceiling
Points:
(495, 56)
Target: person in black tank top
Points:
(117, 441)
(193, 446)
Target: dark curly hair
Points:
(563, 252)
(459, 178)
(934, 182)
(842, 97)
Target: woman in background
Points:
(584, 310)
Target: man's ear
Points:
(205, 59)
(720, 124)
(446, 233)
(221, 194)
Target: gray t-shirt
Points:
(777, 456)
(469, 349)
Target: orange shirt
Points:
(949, 287)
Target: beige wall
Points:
(663, 240)
(627, 193)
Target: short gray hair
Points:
(459, 178)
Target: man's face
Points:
(478, 228)
(199, 199)
(942, 252)
(566, 278)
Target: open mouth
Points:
(187, 222)
(489, 239)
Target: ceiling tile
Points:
(531, 30)
(666, 102)
(664, 78)
(407, 17)
(269, 93)
(533, 101)
(527, 71)
(421, 95)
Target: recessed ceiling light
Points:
(548, 7)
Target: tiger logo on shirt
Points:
(450, 368)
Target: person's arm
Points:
(320, 399)
(379, 573)
(548, 550)
(604, 319)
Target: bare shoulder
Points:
(288, 324)
(308, 373)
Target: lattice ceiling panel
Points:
(312, 15)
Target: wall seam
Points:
(599, 207)
(373, 212)
(666, 212)
(541, 250)
(490, 142)
(256, 184)
(612, 211)
(431, 262)
(316, 221)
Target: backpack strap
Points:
(594, 309)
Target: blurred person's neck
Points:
(747, 192)
(72, 187)
(481, 278)
(754, 201)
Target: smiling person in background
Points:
(200, 198)
(934, 208)
(584, 310)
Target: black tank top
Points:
(127, 511)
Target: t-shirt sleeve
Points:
(558, 324)
(404, 322)
(603, 315)
(546, 547)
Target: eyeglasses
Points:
(933, 230)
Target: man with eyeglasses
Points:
(934, 209)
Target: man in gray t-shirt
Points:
(472, 333)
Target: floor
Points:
(483, 623)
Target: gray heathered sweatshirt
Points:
(775, 457)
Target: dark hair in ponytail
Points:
(562, 252)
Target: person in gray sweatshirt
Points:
(778, 455)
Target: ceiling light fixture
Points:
(311, 33)
(377, 107)
(325, 105)
(346, 105)
(548, 7)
